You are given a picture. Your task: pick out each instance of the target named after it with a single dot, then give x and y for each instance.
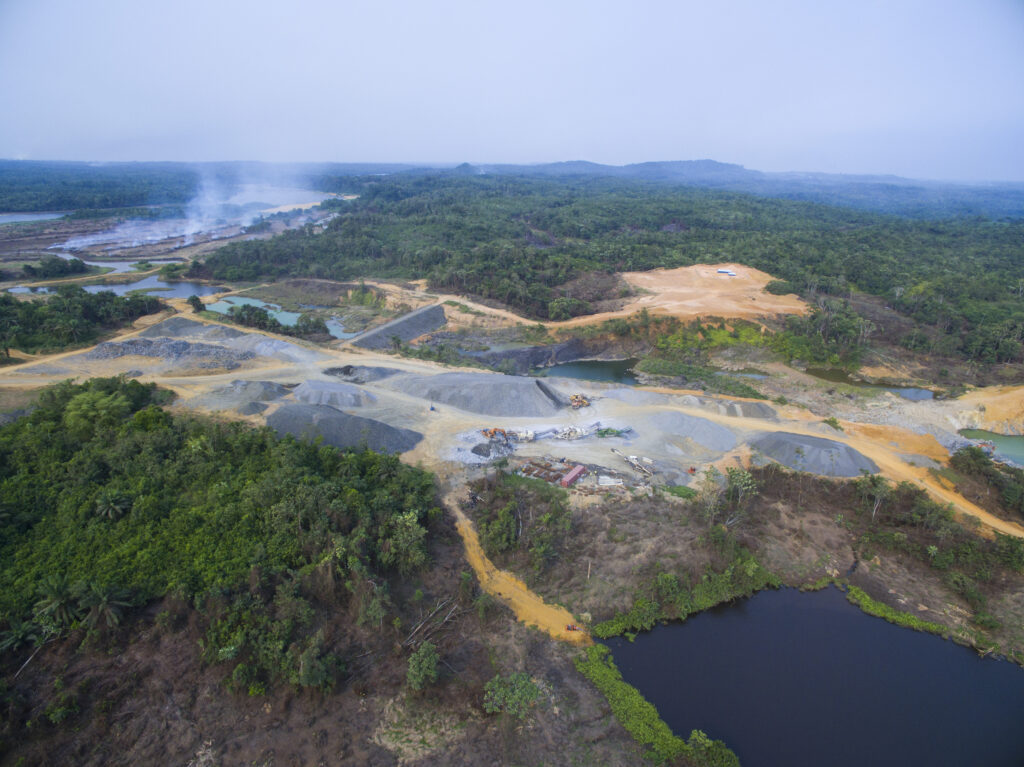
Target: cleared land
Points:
(208, 364)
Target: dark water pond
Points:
(1006, 446)
(789, 679)
(154, 284)
(841, 376)
(614, 371)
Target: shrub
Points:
(422, 667)
(514, 695)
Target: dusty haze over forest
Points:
(914, 88)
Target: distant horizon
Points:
(479, 163)
(916, 89)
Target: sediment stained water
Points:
(529, 607)
(1011, 447)
(788, 679)
(615, 371)
(841, 376)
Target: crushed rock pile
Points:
(487, 394)
(341, 429)
(412, 325)
(175, 327)
(171, 349)
(339, 395)
(238, 340)
(245, 397)
(816, 455)
(737, 408)
(360, 374)
(705, 433)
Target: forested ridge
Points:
(37, 186)
(108, 501)
(520, 240)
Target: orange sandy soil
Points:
(1003, 408)
(528, 606)
(700, 291)
(687, 292)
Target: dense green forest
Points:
(70, 316)
(54, 266)
(522, 241)
(38, 186)
(107, 502)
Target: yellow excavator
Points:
(577, 401)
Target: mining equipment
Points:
(578, 400)
(636, 462)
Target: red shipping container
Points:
(574, 474)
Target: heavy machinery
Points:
(578, 400)
(636, 462)
(495, 433)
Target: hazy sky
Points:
(921, 88)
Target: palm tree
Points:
(19, 632)
(57, 603)
(111, 505)
(103, 604)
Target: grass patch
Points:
(900, 618)
(699, 376)
(641, 719)
(464, 309)
(666, 598)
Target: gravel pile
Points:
(412, 325)
(339, 395)
(245, 397)
(341, 429)
(705, 433)
(174, 328)
(737, 408)
(175, 350)
(632, 396)
(237, 340)
(816, 455)
(360, 374)
(273, 347)
(251, 408)
(487, 394)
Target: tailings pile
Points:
(172, 350)
(487, 394)
(816, 455)
(337, 395)
(244, 397)
(693, 432)
(341, 429)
